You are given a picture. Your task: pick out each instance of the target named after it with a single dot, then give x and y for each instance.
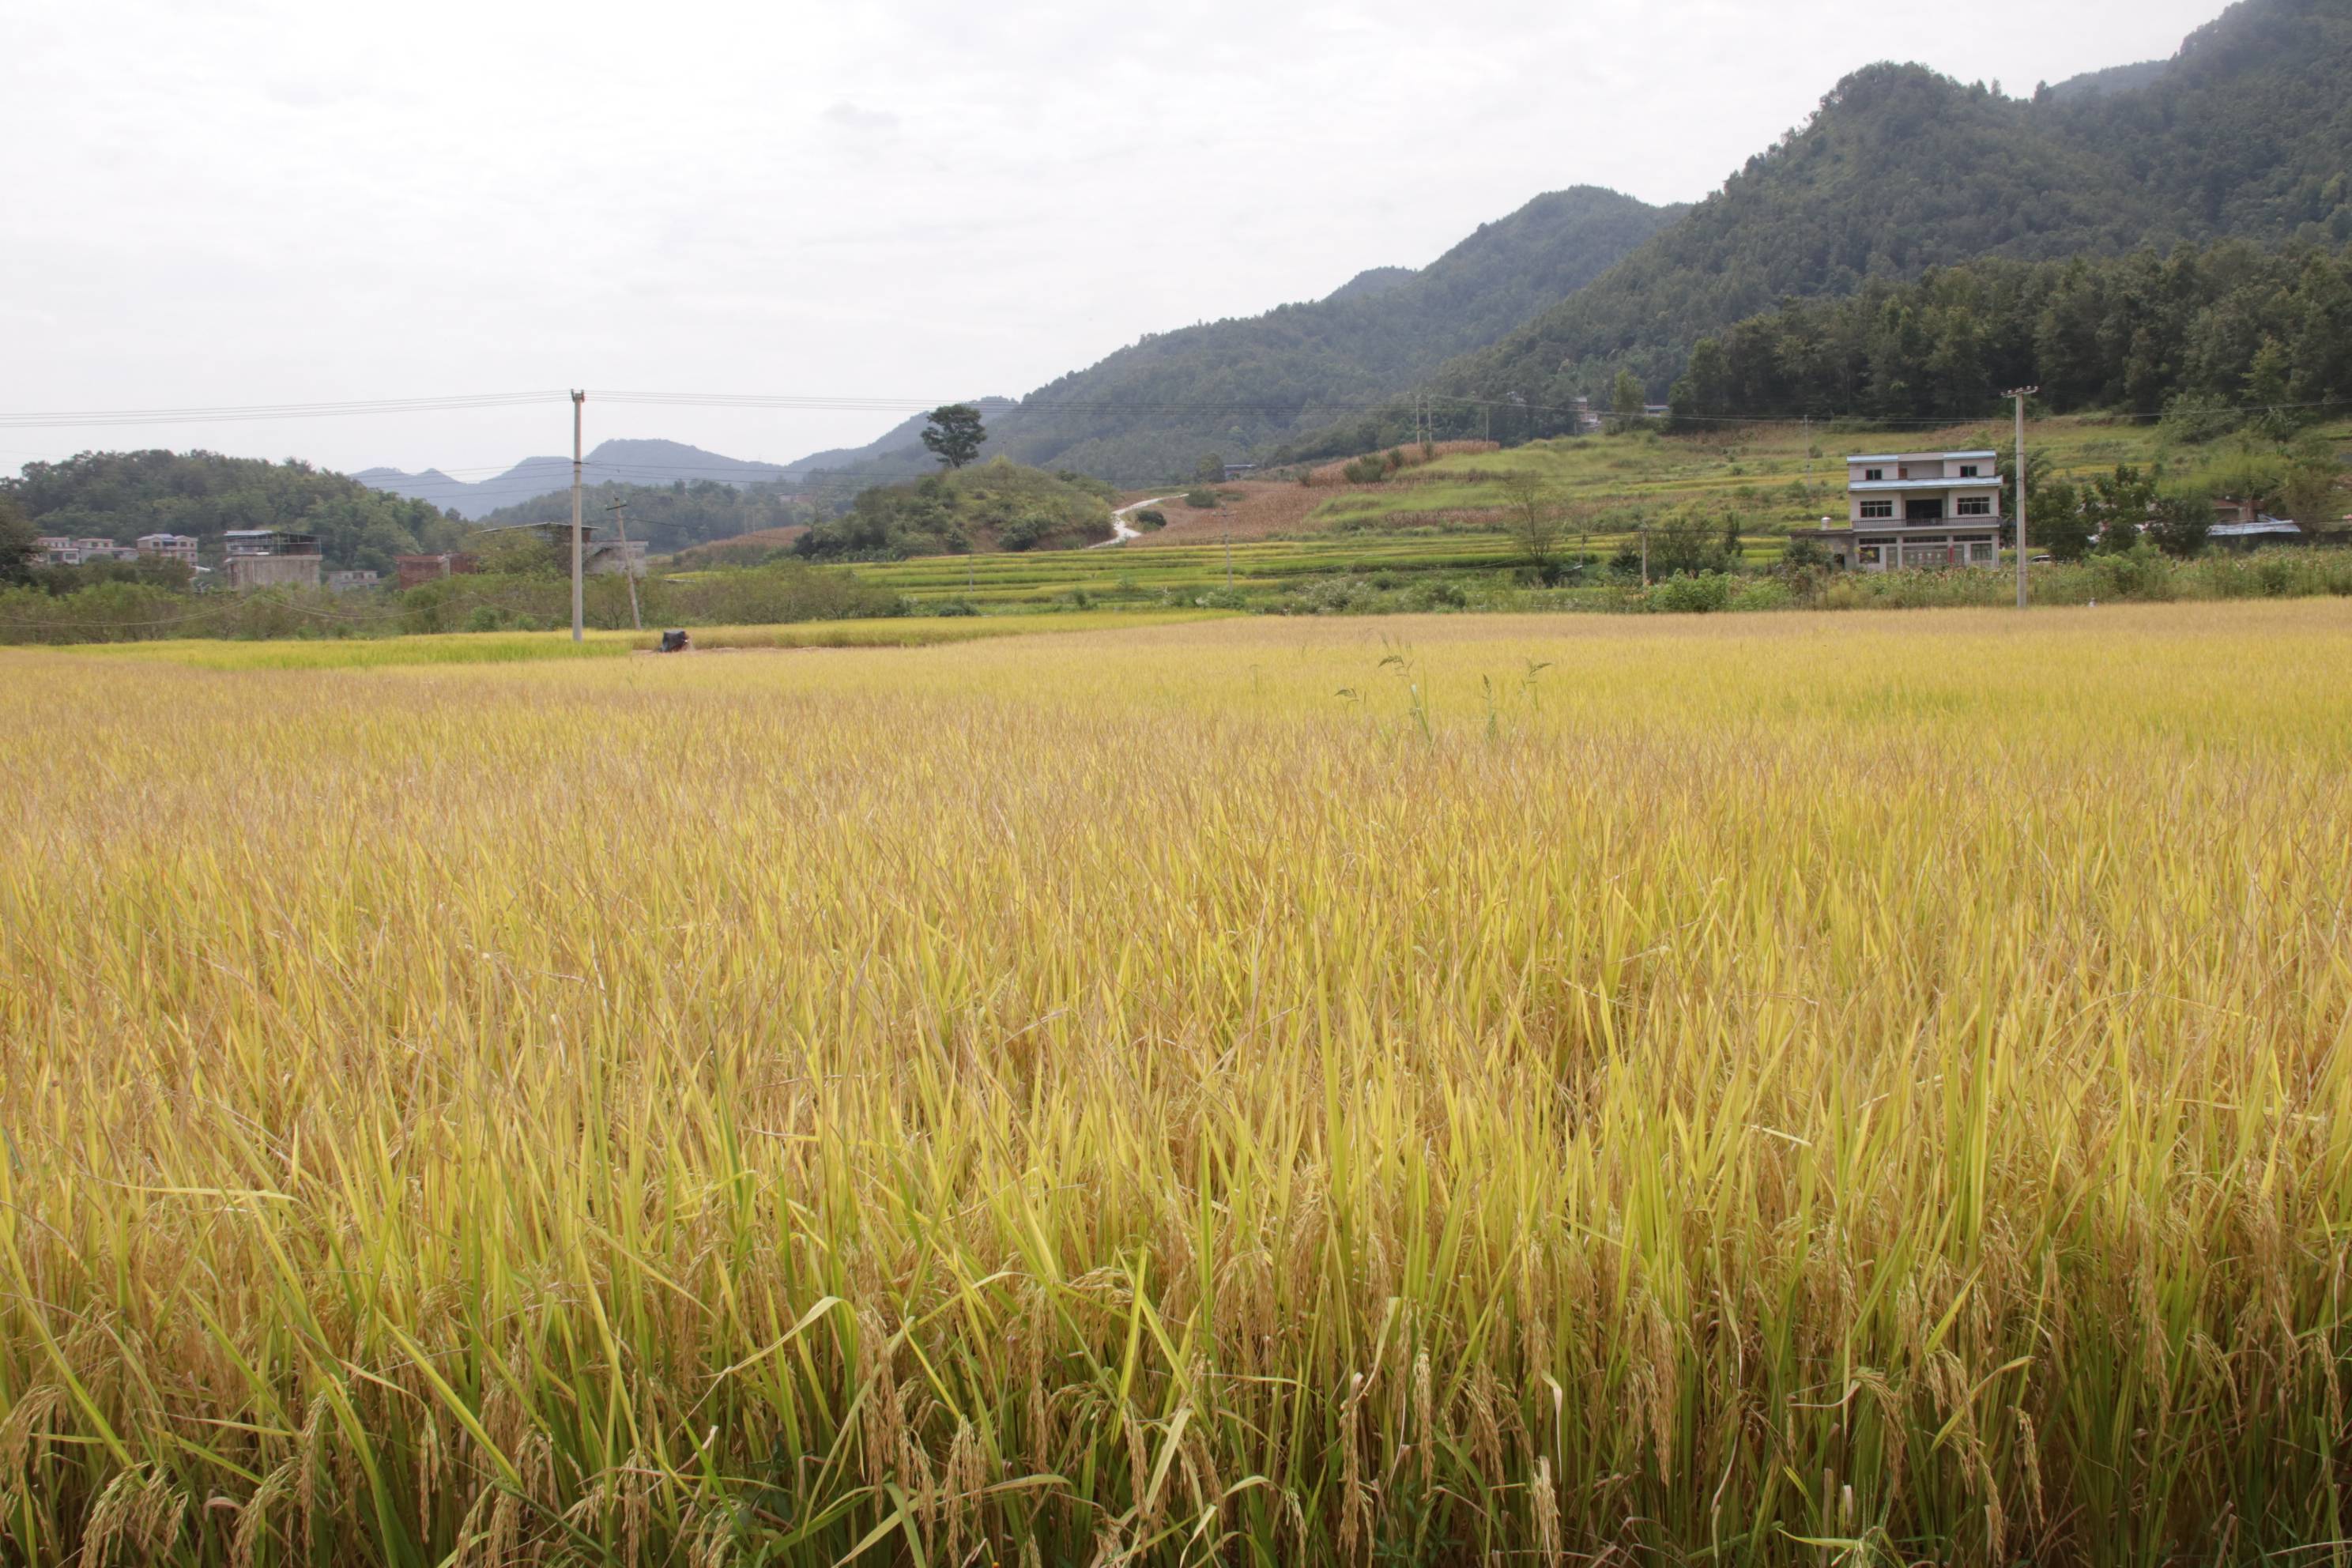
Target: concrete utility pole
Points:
(579, 604)
(2021, 394)
(1645, 552)
(620, 511)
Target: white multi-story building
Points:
(1919, 509)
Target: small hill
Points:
(744, 549)
(835, 476)
(671, 517)
(123, 495)
(990, 507)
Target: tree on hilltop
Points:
(955, 435)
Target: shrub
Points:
(1200, 500)
(2192, 420)
(1761, 594)
(1690, 595)
(1439, 595)
(1024, 532)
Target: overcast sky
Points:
(280, 201)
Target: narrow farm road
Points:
(1121, 531)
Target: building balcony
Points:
(1927, 525)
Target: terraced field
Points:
(1182, 573)
(1444, 519)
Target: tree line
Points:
(2194, 334)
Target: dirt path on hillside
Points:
(1121, 531)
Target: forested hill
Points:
(1133, 415)
(2190, 334)
(2246, 134)
(123, 495)
(672, 517)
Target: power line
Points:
(840, 403)
(235, 413)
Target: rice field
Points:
(531, 648)
(1786, 1089)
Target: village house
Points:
(1916, 510)
(271, 558)
(180, 547)
(56, 550)
(414, 571)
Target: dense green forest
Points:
(121, 495)
(1152, 411)
(998, 505)
(2193, 331)
(2245, 134)
(669, 518)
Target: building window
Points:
(1872, 475)
(1869, 554)
(1877, 510)
(1969, 471)
(1974, 505)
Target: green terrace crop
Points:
(1181, 574)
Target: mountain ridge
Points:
(621, 460)
(2244, 132)
(1132, 415)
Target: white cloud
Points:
(866, 121)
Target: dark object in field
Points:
(675, 642)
